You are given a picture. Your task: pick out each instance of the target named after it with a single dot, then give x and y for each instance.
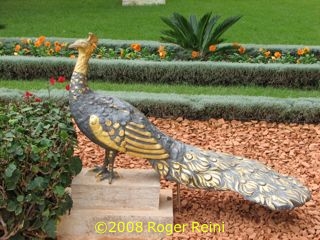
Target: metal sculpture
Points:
(117, 126)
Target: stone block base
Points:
(116, 217)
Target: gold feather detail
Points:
(149, 156)
(142, 139)
(139, 131)
(143, 145)
(101, 135)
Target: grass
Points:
(179, 89)
(263, 22)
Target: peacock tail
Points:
(255, 181)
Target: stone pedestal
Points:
(142, 2)
(132, 207)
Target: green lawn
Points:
(263, 22)
(180, 89)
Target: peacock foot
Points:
(103, 173)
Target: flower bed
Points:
(165, 63)
(235, 52)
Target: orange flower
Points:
(17, 48)
(72, 56)
(212, 48)
(267, 54)
(195, 54)
(47, 44)
(241, 50)
(162, 52)
(300, 51)
(56, 43)
(136, 47)
(37, 43)
(303, 51)
(161, 48)
(277, 54)
(41, 39)
(57, 48)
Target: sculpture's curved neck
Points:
(78, 83)
(82, 63)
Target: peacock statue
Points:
(117, 126)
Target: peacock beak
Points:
(73, 45)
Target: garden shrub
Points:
(175, 72)
(201, 36)
(37, 164)
(298, 110)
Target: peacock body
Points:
(117, 126)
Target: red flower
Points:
(37, 99)
(27, 95)
(52, 81)
(68, 87)
(61, 79)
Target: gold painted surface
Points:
(162, 168)
(141, 132)
(149, 156)
(121, 133)
(133, 124)
(108, 123)
(142, 139)
(101, 135)
(141, 145)
(140, 150)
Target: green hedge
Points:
(175, 72)
(205, 107)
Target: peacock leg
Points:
(112, 156)
(102, 170)
(106, 170)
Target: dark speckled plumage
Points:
(118, 126)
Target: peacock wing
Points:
(124, 128)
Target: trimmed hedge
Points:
(175, 72)
(298, 110)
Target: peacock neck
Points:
(79, 83)
(82, 63)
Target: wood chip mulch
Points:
(292, 149)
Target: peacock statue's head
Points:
(85, 46)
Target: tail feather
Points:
(253, 180)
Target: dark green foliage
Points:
(36, 165)
(176, 72)
(35, 67)
(196, 35)
(298, 110)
